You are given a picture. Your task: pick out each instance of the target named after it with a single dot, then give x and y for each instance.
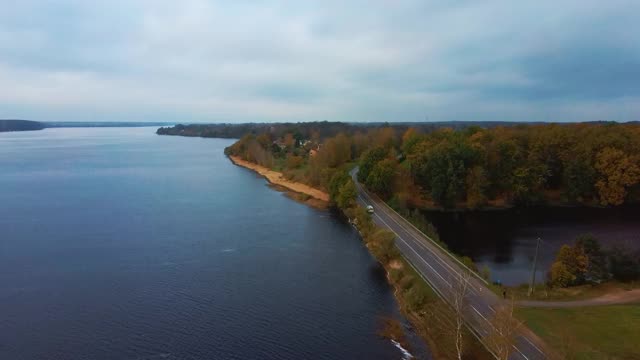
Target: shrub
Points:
(416, 297)
(406, 282)
(485, 272)
(625, 265)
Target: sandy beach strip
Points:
(276, 178)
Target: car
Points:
(370, 209)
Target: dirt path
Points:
(619, 297)
(276, 178)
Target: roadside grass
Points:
(599, 332)
(582, 292)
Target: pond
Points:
(505, 240)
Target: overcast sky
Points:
(237, 61)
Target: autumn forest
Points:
(592, 164)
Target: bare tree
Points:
(460, 290)
(504, 330)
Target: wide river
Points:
(121, 244)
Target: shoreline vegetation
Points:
(301, 192)
(462, 168)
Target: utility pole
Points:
(533, 271)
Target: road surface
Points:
(442, 272)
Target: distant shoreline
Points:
(276, 178)
(7, 125)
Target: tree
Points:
(369, 160)
(294, 161)
(338, 179)
(579, 179)
(625, 264)
(460, 305)
(597, 259)
(347, 194)
(264, 140)
(380, 179)
(336, 151)
(443, 169)
(570, 266)
(560, 275)
(289, 141)
(618, 171)
(503, 332)
(477, 185)
(257, 154)
(409, 140)
(527, 183)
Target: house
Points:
(279, 143)
(314, 150)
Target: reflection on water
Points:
(505, 240)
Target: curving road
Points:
(441, 271)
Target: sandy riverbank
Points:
(278, 179)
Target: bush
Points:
(395, 275)
(469, 263)
(382, 245)
(625, 264)
(485, 272)
(406, 282)
(363, 222)
(416, 297)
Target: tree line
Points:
(595, 164)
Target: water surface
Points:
(121, 244)
(505, 241)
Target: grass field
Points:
(599, 332)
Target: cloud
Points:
(206, 61)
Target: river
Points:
(505, 240)
(120, 244)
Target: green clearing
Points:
(599, 332)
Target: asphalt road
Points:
(443, 273)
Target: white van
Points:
(370, 209)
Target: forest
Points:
(324, 129)
(584, 164)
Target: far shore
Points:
(276, 178)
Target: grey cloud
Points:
(352, 61)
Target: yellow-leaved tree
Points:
(617, 172)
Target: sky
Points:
(394, 60)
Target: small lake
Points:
(117, 243)
(505, 240)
